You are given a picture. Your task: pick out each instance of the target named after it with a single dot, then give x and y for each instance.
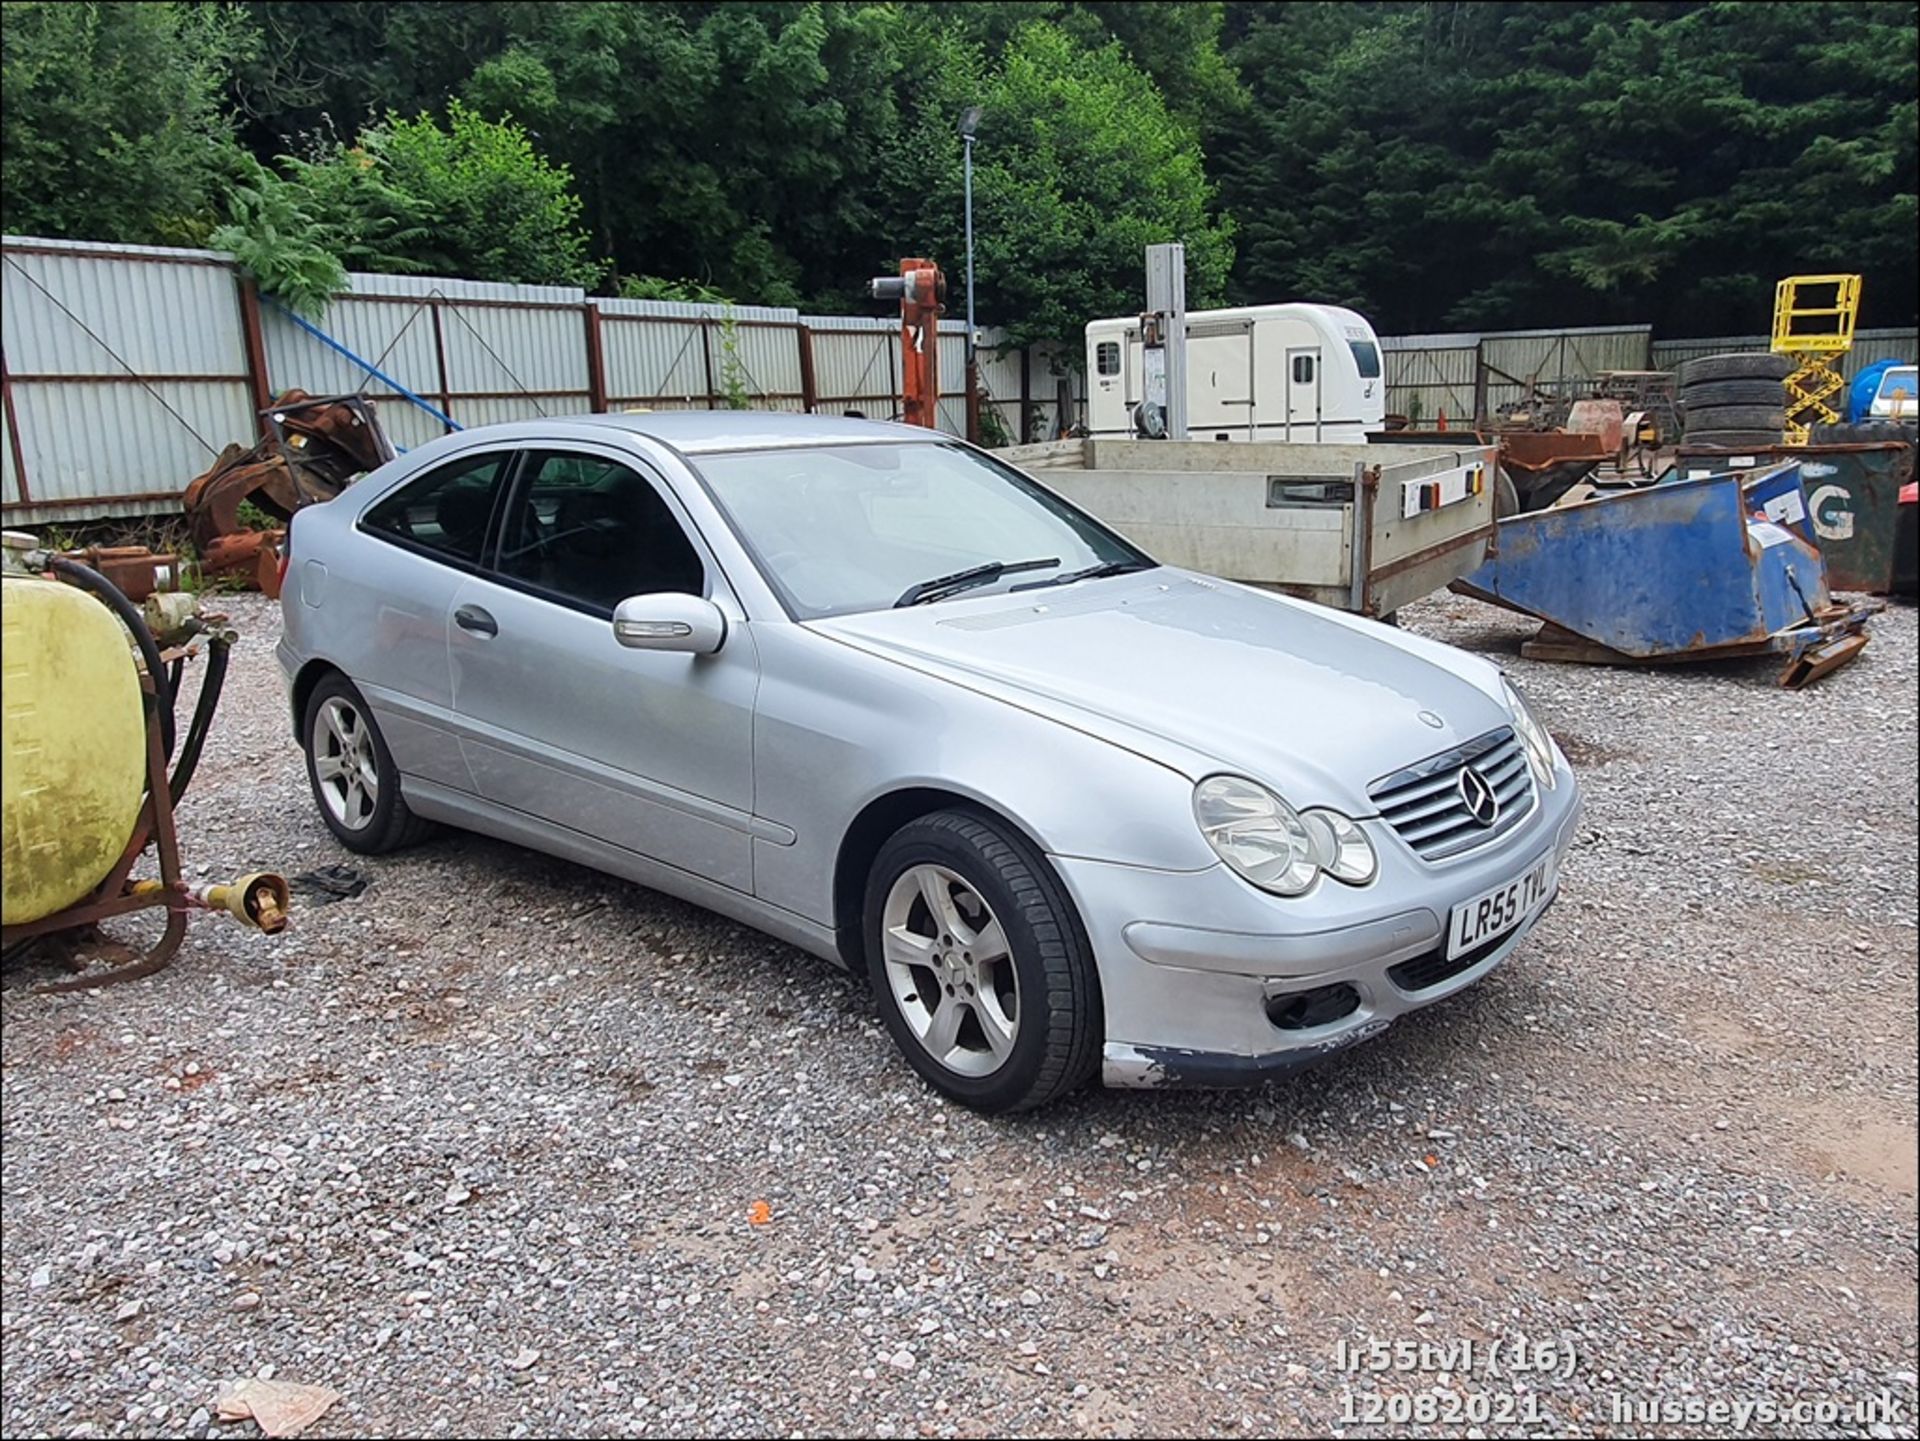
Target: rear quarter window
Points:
(444, 512)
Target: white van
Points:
(1299, 373)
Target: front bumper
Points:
(1207, 981)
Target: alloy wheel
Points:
(344, 763)
(950, 970)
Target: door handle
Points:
(471, 617)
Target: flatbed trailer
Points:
(1363, 528)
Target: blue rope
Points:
(327, 340)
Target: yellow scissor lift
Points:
(1813, 319)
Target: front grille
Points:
(1424, 805)
(1422, 972)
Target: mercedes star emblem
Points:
(1478, 797)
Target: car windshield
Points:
(840, 529)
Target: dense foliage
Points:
(1574, 163)
(1437, 165)
(113, 118)
(470, 197)
(1078, 166)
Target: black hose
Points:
(203, 708)
(116, 601)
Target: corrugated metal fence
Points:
(1868, 346)
(1431, 375)
(123, 377)
(125, 369)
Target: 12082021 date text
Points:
(1440, 1407)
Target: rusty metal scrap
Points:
(138, 572)
(317, 447)
(1602, 417)
(253, 553)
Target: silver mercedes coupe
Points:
(872, 691)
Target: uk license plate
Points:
(1495, 912)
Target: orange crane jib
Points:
(921, 290)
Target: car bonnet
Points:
(1312, 702)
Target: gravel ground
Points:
(479, 1147)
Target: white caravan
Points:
(1299, 373)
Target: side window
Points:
(1303, 370)
(592, 530)
(446, 510)
(1107, 357)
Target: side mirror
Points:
(669, 621)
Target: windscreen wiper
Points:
(973, 575)
(1092, 572)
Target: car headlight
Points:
(1533, 735)
(1341, 848)
(1277, 848)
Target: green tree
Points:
(326, 69)
(751, 157)
(1573, 163)
(471, 198)
(1436, 165)
(783, 151)
(1078, 167)
(115, 119)
(274, 237)
(1176, 45)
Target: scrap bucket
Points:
(1713, 566)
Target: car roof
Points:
(701, 432)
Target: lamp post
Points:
(969, 122)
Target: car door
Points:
(651, 751)
(388, 604)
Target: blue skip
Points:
(1719, 565)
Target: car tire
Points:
(1743, 365)
(1865, 432)
(1735, 417)
(1024, 1024)
(355, 783)
(1770, 393)
(1735, 439)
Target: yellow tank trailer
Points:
(74, 765)
(86, 733)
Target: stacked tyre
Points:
(1866, 432)
(1734, 400)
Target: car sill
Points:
(440, 803)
